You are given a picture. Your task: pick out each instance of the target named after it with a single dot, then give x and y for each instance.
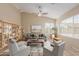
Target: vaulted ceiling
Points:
(54, 10)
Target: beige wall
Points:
(30, 19)
(9, 14)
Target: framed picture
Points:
(36, 28)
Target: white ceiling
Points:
(54, 10)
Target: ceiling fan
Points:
(40, 12)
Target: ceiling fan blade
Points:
(40, 12)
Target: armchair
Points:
(58, 49)
(16, 50)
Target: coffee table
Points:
(35, 42)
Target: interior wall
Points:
(9, 14)
(31, 19)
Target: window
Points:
(76, 19)
(49, 25)
(66, 26)
(48, 28)
(76, 26)
(70, 27)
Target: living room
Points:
(37, 29)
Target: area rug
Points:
(36, 51)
